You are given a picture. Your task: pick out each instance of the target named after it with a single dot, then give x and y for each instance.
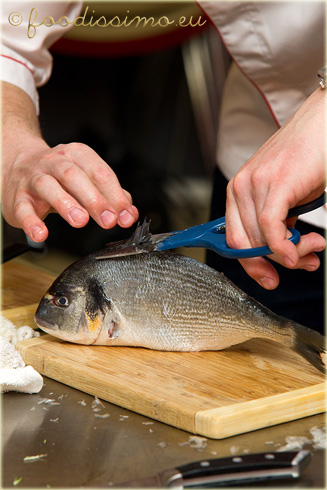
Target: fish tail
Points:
(311, 345)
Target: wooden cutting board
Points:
(215, 394)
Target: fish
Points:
(163, 301)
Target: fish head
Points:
(73, 309)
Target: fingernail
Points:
(77, 215)
(311, 267)
(108, 217)
(126, 218)
(267, 283)
(36, 233)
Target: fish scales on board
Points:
(163, 301)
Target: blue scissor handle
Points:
(216, 241)
(212, 235)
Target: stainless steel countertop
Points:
(83, 450)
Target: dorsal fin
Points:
(140, 241)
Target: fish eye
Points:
(61, 300)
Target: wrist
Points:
(18, 147)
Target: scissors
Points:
(211, 235)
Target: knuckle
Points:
(67, 149)
(17, 208)
(69, 172)
(94, 201)
(75, 146)
(103, 175)
(49, 157)
(120, 202)
(239, 183)
(128, 195)
(264, 221)
(38, 181)
(257, 179)
(234, 241)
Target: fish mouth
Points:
(46, 326)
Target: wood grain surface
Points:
(22, 285)
(215, 394)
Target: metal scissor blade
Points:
(142, 241)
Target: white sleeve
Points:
(26, 61)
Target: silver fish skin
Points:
(163, 301)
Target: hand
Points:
(69, 179)
(288, 170)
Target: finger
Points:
(128, 195)
(258, 268)
(48, 189)
(102, 193)
(28, 220)
(273, 223)
(124, 218)
(82, 190)
(241, 223)
(312, 242)
(261, 271)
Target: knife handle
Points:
(244, 468)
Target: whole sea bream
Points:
(163, 301)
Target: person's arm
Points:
(69, 179)
(288, 170)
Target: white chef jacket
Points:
(277, 48)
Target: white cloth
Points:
(277, 47)
(14, 374)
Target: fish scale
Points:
(163, 301)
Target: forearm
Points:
(20, 125)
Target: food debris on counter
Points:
(318, 438)
(234, 449)
(296, 443)
(17, 481)
(32, 459)
(82, 403)
(48, 401)
(55, 420)
(147, 423)
(162, 444)
(195, 442)
(97, 405)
